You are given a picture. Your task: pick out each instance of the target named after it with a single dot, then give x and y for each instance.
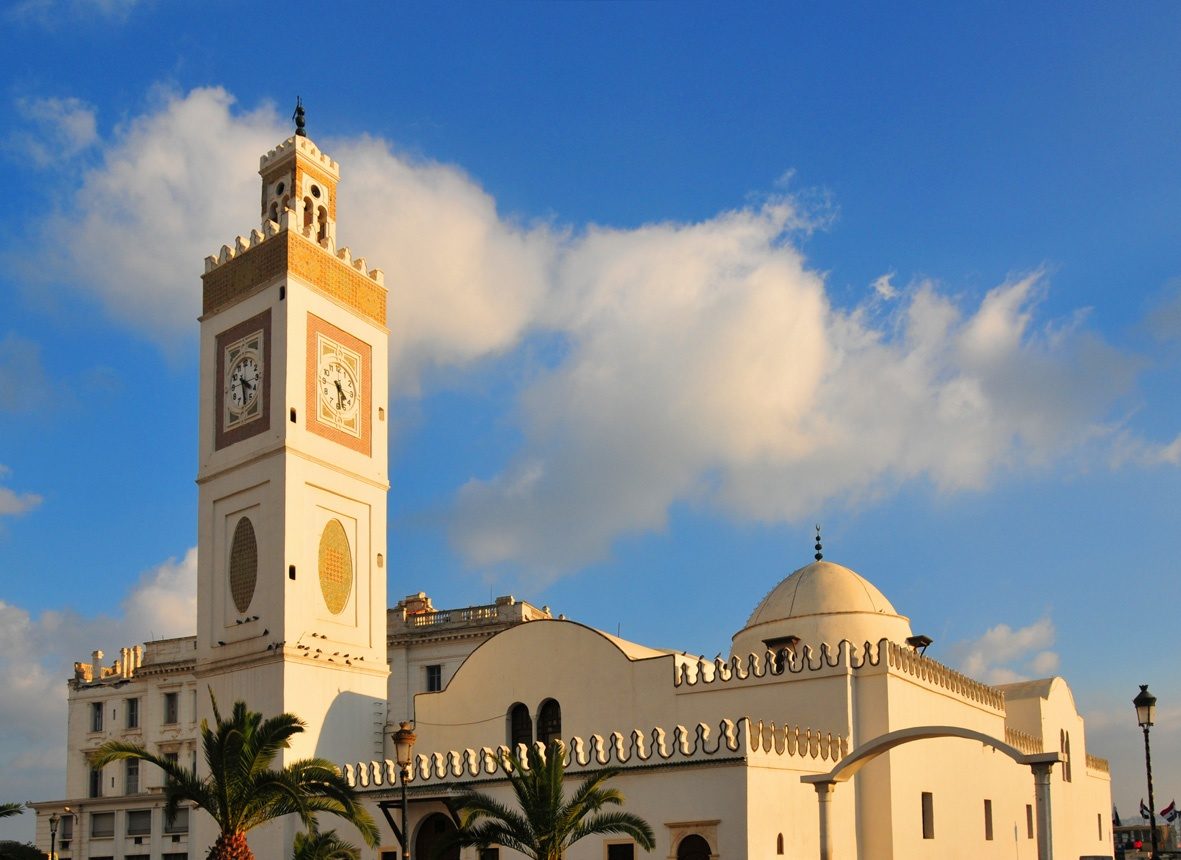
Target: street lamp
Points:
(54, 818)
(404, 739)
(1145, 704)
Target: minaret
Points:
(293, 472)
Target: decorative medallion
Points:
(243, 564)
(336, 567)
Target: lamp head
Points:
(404, 739)
(1145, 704)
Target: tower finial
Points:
(301, 129)
(819, 554)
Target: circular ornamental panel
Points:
(336, 567)
(243, 564)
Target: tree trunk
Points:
(230, 846)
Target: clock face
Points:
(244, 379)
(339, 392)
(338, 386)
(242, 386)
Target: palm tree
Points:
(314, 845)
(7, 809)
(545, 824)
(241, 790)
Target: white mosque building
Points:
(826, 733)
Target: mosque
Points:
(826, 733)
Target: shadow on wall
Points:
(352, 729)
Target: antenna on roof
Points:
(819, 554)
(301, 128)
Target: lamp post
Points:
(54, 818)
(404, 739)
(1145, 704)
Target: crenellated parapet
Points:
(1099, 765)
(242, 244)
(303, 146)
(845, 657)
(905, 659)
(282, 247)
(1027, 743)
(741, 739)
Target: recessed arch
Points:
(520, 726)
(549, 722)
(694, 847)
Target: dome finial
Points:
(819, 554)
(301, 128)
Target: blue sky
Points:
(669, 284)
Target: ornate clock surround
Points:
(323, 335)
(224, 435)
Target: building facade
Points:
(825, 733)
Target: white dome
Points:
(822, 602)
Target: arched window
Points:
(309, 213)
(520, 726)
(431, 833)
(322, 222)
(779, 844)
(549, 722)
(693, 847)
(1065, 747)
(275, 212)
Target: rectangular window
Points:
(66, 831)
(490, 854)
(1028, 821)
(388, 854)
(139, 822)
(179, 823)
(102, 825)
(133, 713)
(96, 716)
(1100, 817)
(178, 855)
(171, 708)
(131, 777)
(988, 819)
(621, 851)
(96, 782)
(928, 815)
(434, 678)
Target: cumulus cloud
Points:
(13, 503)
(700, 363)
(37, 653)
(61, 128)
(1004, 655)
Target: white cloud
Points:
(699, 363)
(37, 654)
(63, 127)
(13, 503)
(1003, 655)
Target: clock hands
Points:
(339, 394)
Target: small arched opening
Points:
(694, 847)
(309, 213)
(434, 832)
(321, 224)
(549, 721)
(520, 726)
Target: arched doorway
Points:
(693, 847)
(431, 833)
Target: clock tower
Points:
(293, 469)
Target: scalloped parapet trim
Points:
(1027, 743)
(845, 655)
(305, 147)
(242, 244)
(1098, 764)
(742, 738)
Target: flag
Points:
(1115, 816)
(1145, 812)
(1170, 812)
